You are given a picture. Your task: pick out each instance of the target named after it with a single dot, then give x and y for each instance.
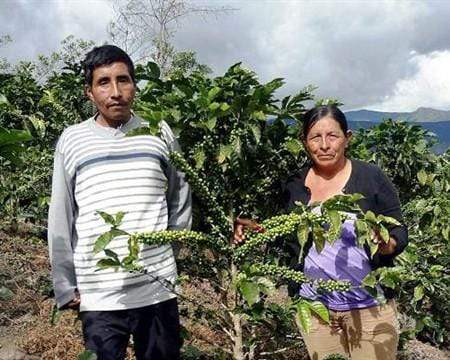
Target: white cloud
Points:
(38, 27)
(429, 86)
(353, 52)
(357, 51)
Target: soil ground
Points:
(30, 331)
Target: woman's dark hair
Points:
(105, 55)
(316, 113)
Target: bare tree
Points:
(145, 28)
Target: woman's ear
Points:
(348, 135)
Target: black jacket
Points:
(380, 196)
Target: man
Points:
(97, 168)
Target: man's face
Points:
(112, 91)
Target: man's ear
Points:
(88, 92)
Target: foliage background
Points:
(45, 96)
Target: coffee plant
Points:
(240, 143)
(235, 164)
(245, 280)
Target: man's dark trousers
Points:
(155, 330)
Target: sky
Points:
(379, 55)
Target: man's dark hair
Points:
(105, 55)
(316, 113)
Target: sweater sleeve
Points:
(389, 205)
(178, 192)
(60, 233)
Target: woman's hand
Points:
(240, 225)
(383, 247)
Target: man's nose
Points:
(116, 92)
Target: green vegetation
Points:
(236, 162)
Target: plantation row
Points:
(236, 162)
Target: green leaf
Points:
(370, 280)
(153, 70)
(237, 146)
(87, 355)
(363, 232)
(373, 248)
(225, 152)
(212, 93)
(356, 197)
(133, 247)
(320, 309)
(211, 123)
(304, 316)
(446, 232)
(265, 285)
(389, 279)
(112, 255)
(118, 232)
(256, 130)
(214, 106)
(3, 100)
(335, 225)
(13, 136)
(294, 146)
(199, 157)
(224, 107)
(102, 241)
(259, 115)
(303, 233)
(108, 263)
(119, 218)
(418, 293)
(384, 233)
(422, 177)
(371, 217)
(319, 238)
(250, 292)
(388, 220)
(272, 85)
(109, 219)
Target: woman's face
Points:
(326, 143)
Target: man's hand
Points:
(74, 304)
(383, 247)
(240, 225)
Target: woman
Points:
(361, 328)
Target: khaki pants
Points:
(363, 334)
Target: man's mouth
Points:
(116, 105)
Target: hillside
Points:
(422, 114)
(435, 121)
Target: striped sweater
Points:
(99, 168)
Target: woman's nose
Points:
(324, 143)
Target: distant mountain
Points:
(422, 115)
